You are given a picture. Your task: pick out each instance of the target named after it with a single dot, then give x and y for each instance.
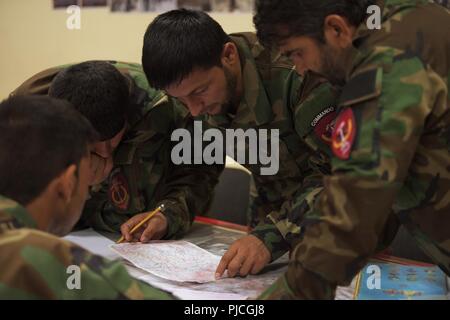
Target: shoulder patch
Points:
(323, 124)
(344, 134)
(364, 86)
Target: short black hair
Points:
(303, 17)
(39, 138)
(98, 91)
(179, 41)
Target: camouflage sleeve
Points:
(188, 189)
(280, 230)
(57, 269)
(313, 105)
(187, 192)
(104, 279)
(37, 84)
(382, 116)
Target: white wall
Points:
(33, 37)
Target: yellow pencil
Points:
(140, 224)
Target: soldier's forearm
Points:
(179, 218)
(189, 192)
(269, 234)
(299, 284)
(307, 284)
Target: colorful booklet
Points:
(398, 279)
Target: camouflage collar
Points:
(13, 213)
(389, 8)
(254, 98)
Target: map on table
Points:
(179, 261)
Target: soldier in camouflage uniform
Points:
(391, 140)
(232, 82)
(135, 122)
(45, 166)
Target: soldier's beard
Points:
(231, 99)
(333, 64)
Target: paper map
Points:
(179, 261)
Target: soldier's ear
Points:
(230, 54)
(338, 31)
(66, 183)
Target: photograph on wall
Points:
(245, 6)
(59, 4)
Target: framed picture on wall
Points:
(167, 5)
(58, 4)
(143, 5)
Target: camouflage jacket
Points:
(34, 264)
(143, 176)
(276, 98)
(392, 153)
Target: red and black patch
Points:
(323, 124)
(344, 134)
(118, 192)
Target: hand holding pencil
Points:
(145, 226)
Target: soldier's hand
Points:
(246, 255)
(154, 229)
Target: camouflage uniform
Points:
(33, 265)
(276, 98)
(392, 154)
(143, 176)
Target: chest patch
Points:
(118, 192)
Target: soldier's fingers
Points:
(246, 266)
(126, 227)
(223, 264)
(235, 264)
(257, 267)
(125, 230)
(136, 237)
(149, 231)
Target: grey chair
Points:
(231, 199)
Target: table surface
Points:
(215, 237)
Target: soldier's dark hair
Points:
(179, 41)
(98, 91)
(303, 17)
(40, 137)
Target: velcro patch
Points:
(363, 86)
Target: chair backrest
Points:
(231, 199)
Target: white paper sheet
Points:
(94, 242)
(187, 294)
(179, 261)
(227, 288)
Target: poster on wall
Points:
(61, 4)
(245, 6)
